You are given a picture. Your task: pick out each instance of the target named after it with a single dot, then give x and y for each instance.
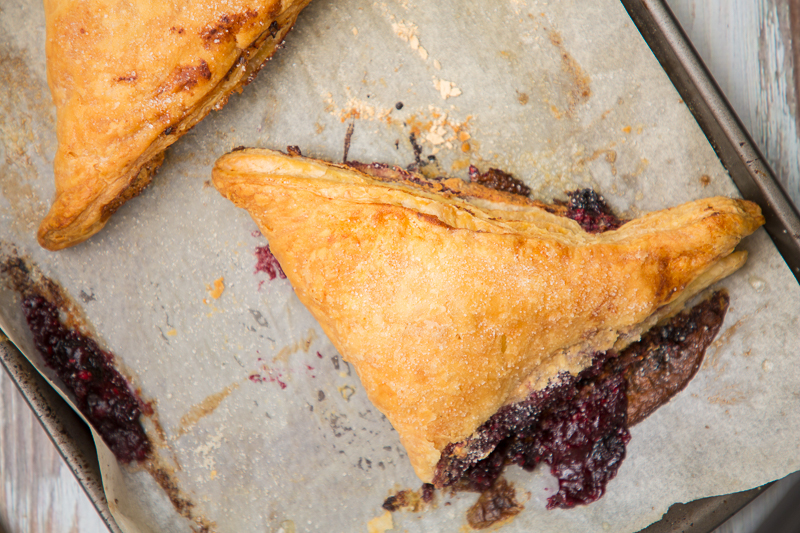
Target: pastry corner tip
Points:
(749, 211)
(244, 160)
(47, 235)
(57, 233)
(54, 240)
(753, 210)
(746, 215)
(751, 215)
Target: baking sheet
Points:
(530, 90)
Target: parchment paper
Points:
(263, 427)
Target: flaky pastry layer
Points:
(452, 302)
(128, 79)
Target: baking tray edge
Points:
(733, 146)
(69, 433)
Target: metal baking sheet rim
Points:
(733, 146)
(69, 433)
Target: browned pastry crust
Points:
(128, 79)
(451, 302)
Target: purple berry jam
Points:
(579, 424)
(101, 393)
(583, 441)
(266, 262)
(590, 210)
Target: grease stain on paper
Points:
(346, 391)
(729, 395)
(303, 344)
(287, 526)
(204, 408)
(609, 155)
(24, 108)
(712, 361)
(641, 166)
(578, 89)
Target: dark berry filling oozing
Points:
(101, 393)
(578, 427)
(582, 440)
(579, 424)
(663, 362)
(590, 210)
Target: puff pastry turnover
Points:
(128, 79)
(453, 300)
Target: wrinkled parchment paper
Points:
(262, 426)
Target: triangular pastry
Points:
(453, 300)
(128, 79)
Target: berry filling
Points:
(578, 425)
(266, 262)
(590, 210)
(101, 393)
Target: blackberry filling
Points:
(579, 425)
(590, 210)
(101, 393)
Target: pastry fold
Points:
(128, 78)
(451, 300)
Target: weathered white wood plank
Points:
(747, 46)
(38, 493)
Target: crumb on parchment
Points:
(217, 289)
(446, 89)
(381, 524)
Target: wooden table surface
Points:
(747, 46)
